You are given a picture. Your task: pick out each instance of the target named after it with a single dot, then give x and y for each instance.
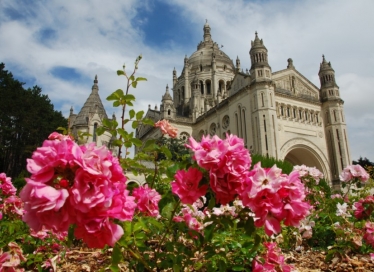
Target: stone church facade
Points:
(279, 114)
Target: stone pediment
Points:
(296, 85)
(240, 80)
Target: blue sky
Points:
(61, 46)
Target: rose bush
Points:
(213, 211)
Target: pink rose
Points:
(186, 185)
(44, 205)
(354, 171)
(167, 128)
(6, 185)
(98, 232)
(147, 200)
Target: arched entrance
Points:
(300, 151)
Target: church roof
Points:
(93, 104)
(206, 49)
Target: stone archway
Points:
(301, 151)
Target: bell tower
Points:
(334, 121)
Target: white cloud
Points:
(96, 37)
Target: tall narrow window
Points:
(271, 99)
(262, 99)
(94, 133)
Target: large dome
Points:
(206, 50)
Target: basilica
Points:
(279, 114)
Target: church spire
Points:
(207, 36)
(95, 87)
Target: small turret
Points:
(326, 74)
(207, 36)
(260, 68)
(237, 64)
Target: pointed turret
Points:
(167, 96)
(92, 105)
(326, 74)
(167, 108)
(260, 68)
(237, 64)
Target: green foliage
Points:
(173, 149)
(27, 117)
(268, 162)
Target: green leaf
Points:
(71, 235)
(166, 151)
(132, 113)
(100, 131)
(136, 142)
(139, 115)
(141, 79)
(120, 72)
(129, 97)
(132, 78)
(167, 210)
(135, 124)
(238, 268)
(116, 103)
(116, 258)
(134, 83)
(147, 121)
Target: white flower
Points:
(342, 210)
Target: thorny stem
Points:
(124, 110)
(167, 229)
(139, 258)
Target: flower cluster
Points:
(369, 233)
(308, 173)
(364, 207)
(10, 260)
(273, 260)
(227, 162)
(192, 216)
(274, 197)
(80, 185)
(11, 205)
(147, 200)
(354, 172)
(167, 128)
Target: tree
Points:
(27, 117)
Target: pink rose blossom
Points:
(227, 161)
(186, 185)
(6, 185)
(354, 171)
(275, 197)
(98, 232)
(364, 207)
(167, 128)
(44, 205)
(272, 260)
(147, 200)
(369, 233)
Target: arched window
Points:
(201, 87)
(168, 111)
(201, 68)
(208, 84)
